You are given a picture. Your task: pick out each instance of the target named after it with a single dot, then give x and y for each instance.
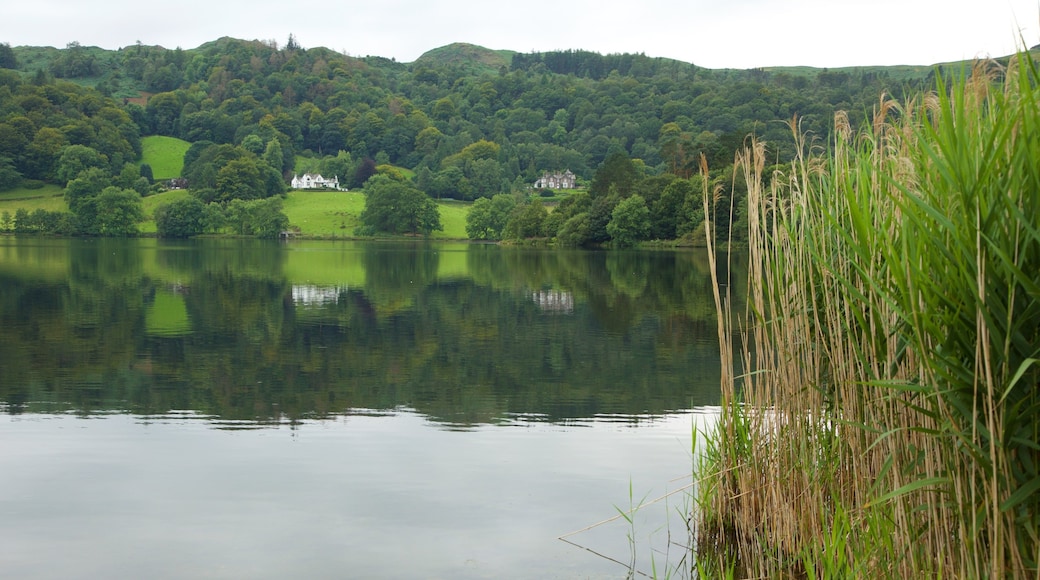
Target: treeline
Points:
(584, 63)
(568, 113)
(466, 135)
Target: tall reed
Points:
(886, 420)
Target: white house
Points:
(314, 181)
(556, 180)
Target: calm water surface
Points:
(230, 409)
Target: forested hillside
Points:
(469, 122)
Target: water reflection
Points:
(259, 332)
(235, 408)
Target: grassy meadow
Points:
(336, 214)
(319, 214)
(165, 155)
(884, 423)
(328, 214)
(48, 197)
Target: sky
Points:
(709, 33)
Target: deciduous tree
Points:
(80, 195)
(118, 212)
(629, 222)
(182, 218)
(9, 176)
(262, 218)
(487, 218)
(396, 208)
(617, 174)
(7, 57)
(526, 221)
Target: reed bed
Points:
(882, 389)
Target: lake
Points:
(240, 408)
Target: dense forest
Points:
(462, 122)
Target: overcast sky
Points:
(709, 33)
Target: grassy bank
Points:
(885, 420)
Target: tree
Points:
(42, 154)
(41, 221)
(600, 214)
(199, 150)
(478, 220)
(164, 111)
(525, 221)
(233, 172)
(485, 176)
(274, 183)
(570, 206)
(268, 219)
(502, 206)
(450, 182)
(674, 145)
(118, 212)
(128, 176)
(13, 141)
(331, 140)
(9, 176)
(428, 139)
(141, 186)
(240, 179)
(262, 218)
(273, 155)
(365, 170)
(487, 218)
(666, 214)
(629, 222)
(575, 231)
(444, 109)
(7, 57)
(341, 166)
(617, 173)
(397, 208)
(81, 194)
(482, 149)
(21, 221)
(74, 62)
(182, 218)
(255, 145)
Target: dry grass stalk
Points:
(866, 443)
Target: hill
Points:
(471, 57)
(466, 121)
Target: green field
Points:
(329, 214)
(319, 214)
(336, 214)
(48, 197)
(453, 218)
(165, 155)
